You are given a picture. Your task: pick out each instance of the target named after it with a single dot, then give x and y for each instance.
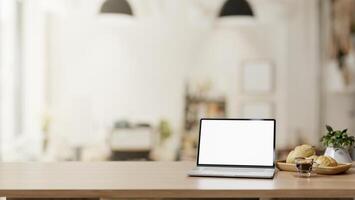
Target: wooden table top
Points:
(156, 179)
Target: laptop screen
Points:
(237, 142)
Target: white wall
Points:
(303, 91)
(104, 68)
(134, 71)
(228, 47)
(34, 77)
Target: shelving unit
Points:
(197, 107)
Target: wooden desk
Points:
(155, 179)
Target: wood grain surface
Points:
(156, 180)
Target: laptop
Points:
(236, 148)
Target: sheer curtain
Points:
(22, 71)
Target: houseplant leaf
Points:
(329, 128)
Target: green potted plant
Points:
(338, 143)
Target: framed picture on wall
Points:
(258, 110)
(257, 77)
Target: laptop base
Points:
(233, 172)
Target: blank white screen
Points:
(237, 142)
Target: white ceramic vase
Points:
(341, 155)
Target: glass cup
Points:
(304, 166)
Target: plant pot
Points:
(341, 155)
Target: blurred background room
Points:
(95, 80)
